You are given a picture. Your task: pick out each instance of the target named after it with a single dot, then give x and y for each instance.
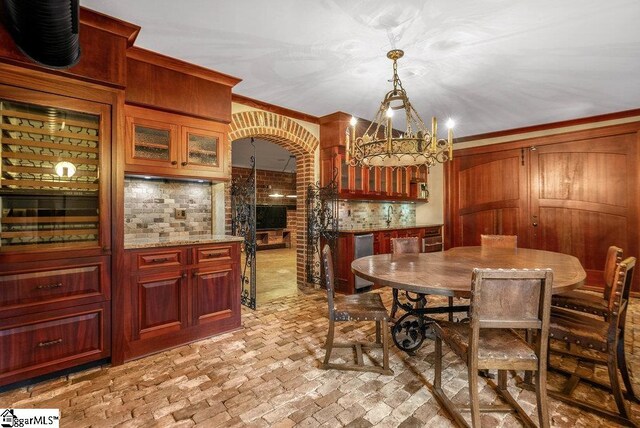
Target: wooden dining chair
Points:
(598, 341)
(501, 300)
(579, 300)
(404, 246)
(352, 308)
(499, 241)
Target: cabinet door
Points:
(55, 169)
(489, 197)
(202, 149)
(151, 142)
(384, 241)
(215, 293)
(159, 304)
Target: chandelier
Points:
(382, 146)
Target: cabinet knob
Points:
(184, 275)
(195, 274)
(534, 224)
(185, 163)
(174, 162)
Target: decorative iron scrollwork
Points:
(243, 223)
(322, 225)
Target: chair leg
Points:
(378, 331)
(541, 397)
(624, 370)
(394, 305)
(612, 365)
(474, 399)
(329, 343)
(450, 299)
(385, 343)
(437, 379)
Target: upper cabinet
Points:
(360, 182)
(160, 143)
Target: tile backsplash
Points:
(359, 214)
(150, 205)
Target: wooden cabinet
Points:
(345, 281)
(166, 144)
(574, 193)
(55, 232)
(363, 183)
(275, 238)
(180, 294)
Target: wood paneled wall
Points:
(575, 193)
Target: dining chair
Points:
(499, 241)
(579, 300)
(353, 308)
(404, 246)
(501, 300)
(597, 340)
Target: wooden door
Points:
(583, 195)
(488, 195)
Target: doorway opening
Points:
(275, 214)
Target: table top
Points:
(448, 273)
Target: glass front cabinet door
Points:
(151, 142)
(201, 149)
(54, 180)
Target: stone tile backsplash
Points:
(358, 214)
(149, 208)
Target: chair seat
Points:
(574, 327)
(360, 307)
(498, 348)
(582, 301)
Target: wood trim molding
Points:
(174, 64)
(272, 108)
(538, 140)
(549, 126)
(110, 24)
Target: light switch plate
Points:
(181, 213)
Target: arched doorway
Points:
(293, 137)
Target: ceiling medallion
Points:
(382, 146)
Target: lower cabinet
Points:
(54, 315)
(180, 294)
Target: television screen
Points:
(271, 217)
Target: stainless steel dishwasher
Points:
(363, 246)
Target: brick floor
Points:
(267, 374)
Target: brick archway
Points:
(290, 135)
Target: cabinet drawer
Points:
(219, 253)
(168, 258)
(52, 341)
(60, 285)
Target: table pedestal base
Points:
(412, 328)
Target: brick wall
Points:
(269, 182)
(149, 208)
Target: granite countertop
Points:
(131, 244)
(380, 228)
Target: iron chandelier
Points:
(382, 146)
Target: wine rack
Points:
(49, 176)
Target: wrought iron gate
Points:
(243, 223)
(322, 225)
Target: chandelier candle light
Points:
(380, 146)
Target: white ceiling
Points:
(491, 65)
(268, 155)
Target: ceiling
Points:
(268, 155)
(490, 65)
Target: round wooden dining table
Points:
(448, 273)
